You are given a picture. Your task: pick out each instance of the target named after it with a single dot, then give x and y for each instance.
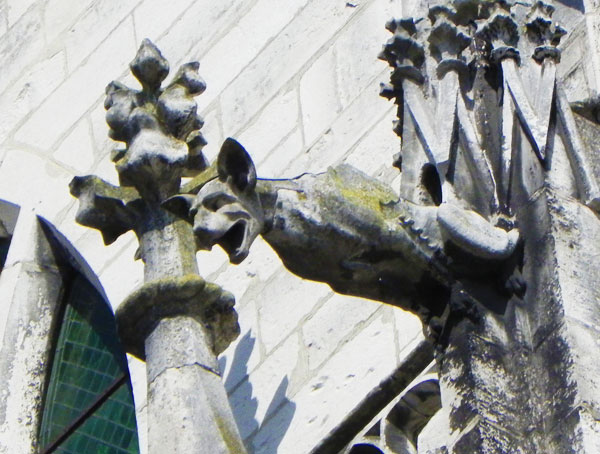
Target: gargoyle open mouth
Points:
(233, 242)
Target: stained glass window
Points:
(89, 403)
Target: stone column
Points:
(175, 321)
(175, 324)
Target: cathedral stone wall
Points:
(296, 82)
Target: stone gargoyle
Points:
(346, 229)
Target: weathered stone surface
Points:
(316, 23)
(26, 93)
(90, 29)
(320, 333)
(44, 127)
(243, 42)
(32, 287)
(278, 310)
(42, 197)
(254, 405)
(280, 115)
(176, 321)
(319, 96)
(185, 393)
(192, 408)
(333, 392)
(188, 295)
(340, 227)
(76, 151)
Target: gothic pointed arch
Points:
(61, 357)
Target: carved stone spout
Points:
(346, 229)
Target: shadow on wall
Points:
(275, 423)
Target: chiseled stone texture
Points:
(185, 392)
(30, 287)
(263, 63)
(294, 81)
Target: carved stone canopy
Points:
(481, 113)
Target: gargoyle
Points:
(344, 228)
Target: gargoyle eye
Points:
(217, 201)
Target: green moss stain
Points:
(360, 191)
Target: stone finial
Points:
(160, 126)
(447, 41)
(501, 32)
(403, 51)
(544, 32)
(161, 130)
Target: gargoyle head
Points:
(226, 211)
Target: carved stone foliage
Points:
(482, 105)
(160, 128)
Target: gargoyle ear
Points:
(180, 205)
(235, 162)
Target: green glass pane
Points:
(87, 360)
(109, 430)
(4, 245)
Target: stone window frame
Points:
(39, 264)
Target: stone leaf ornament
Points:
(160, 128)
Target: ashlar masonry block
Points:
(338, 319)
(17, 8)
(257, 398)
(94, 26)
(315, 24)
(48, 198)
(60, 14)
(280, 157)
(333, 392)
(319, 96)
(244, 354)
(345, 131)
(356, 50)
(283, 303)
(20, 46)
(196, 30)
(28, 92)
(80, 91)
(249, 34)
(77, 151)
(274, 122)
(152, 19)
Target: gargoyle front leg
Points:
(474, 234)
